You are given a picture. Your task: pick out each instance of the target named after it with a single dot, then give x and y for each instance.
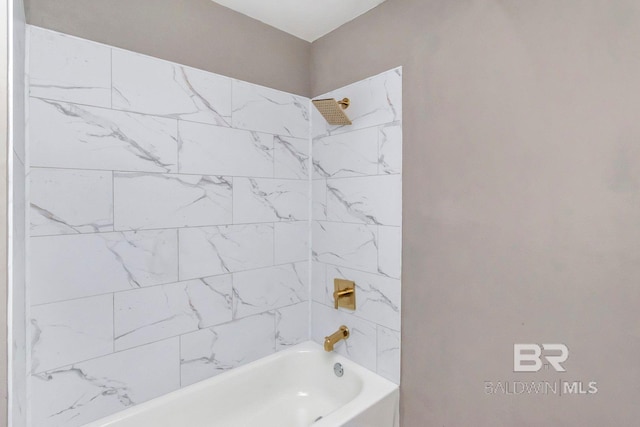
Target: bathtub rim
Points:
(375, 388)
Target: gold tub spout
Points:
(331, 340)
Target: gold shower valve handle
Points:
(339, 294)
(344, 294)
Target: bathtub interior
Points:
(293, 388)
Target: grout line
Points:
(113, 202)
(169, 283)
(111, 76)
(360, 271)
(353, 130)
(178, 251)
(310, 169)
(357, 223)
(168, 117)
(378, 247)
(357, 176)
(140, 172)
(137, 230)
(233, 192)
(172, 174)
(376, 353)
(180, 360)
(70, 365)
(226, 323)
(354, 314)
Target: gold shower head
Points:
(331, 110)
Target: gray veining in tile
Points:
(75, 136)
(67, 68)
(152, 86)
(151, 314)
(70, 201)
(74, 266)
(150, 201)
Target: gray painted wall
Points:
(198, 33)
(521, 199)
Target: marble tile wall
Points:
(168, 226)
(357, 221)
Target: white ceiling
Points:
(306, 19)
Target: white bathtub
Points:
(293, 388)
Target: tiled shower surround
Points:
(357, 218)
(170, 224)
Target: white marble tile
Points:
(153, 86)
(291, 157)
(390, 251)
(369, 200)
(215, 350)
(389, 354)
(74, 136)
(361, 344)
(318, 283)
(149, 201)
(70, 201)
(75, 395)
(346, 245)
(319, 199)
(269, 110)
(68, 332)
(377, 297)
(74, 266)
(292, 325)
(216, 150)
(147, 315)
(269, 200)
(291, 241)
(390, 149)
(374, 101)
(347, 154)
(257, 291)
(208, 251)
(67, 68)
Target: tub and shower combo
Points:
(185, 223)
